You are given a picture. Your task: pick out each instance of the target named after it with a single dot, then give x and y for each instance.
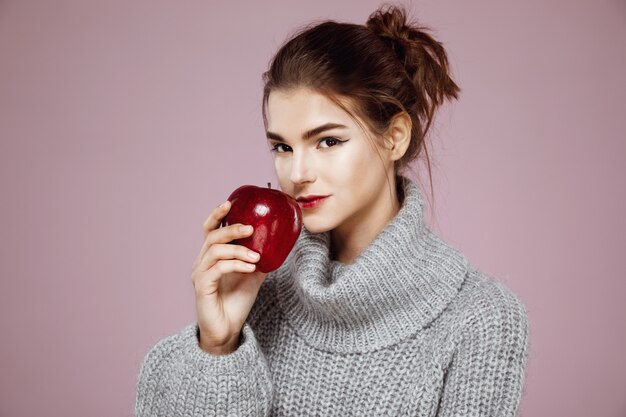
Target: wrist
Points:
(221, 349)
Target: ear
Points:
(398, 135)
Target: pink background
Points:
(122, 124)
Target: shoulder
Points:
(487, 370)
(162, 351)
(491, 311)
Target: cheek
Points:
(281, 166)
(354, 166)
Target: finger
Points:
(226, 235)
(226, 251)
(222, 235)
(215, 218)
(224, 266)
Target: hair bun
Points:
(391, 26)
(423, 57)
(389, 23)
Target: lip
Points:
(308, 198)
(308, 202)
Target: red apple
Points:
(276, 218)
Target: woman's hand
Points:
(226, 283)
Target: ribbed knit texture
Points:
(410, 328)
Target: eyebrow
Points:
(310, 133)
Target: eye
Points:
(276, 148)
(331, 142)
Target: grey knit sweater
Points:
(408, 329)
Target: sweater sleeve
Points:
(178, 378)
(486, 377)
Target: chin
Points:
(315, 226)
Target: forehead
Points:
(299, 109)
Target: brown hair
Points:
(384, 67)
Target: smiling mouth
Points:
(307, 204)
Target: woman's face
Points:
(337, 160)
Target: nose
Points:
(301, 170)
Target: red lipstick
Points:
(311, 201)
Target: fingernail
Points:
(245, 229)
(224, 204)
(253, 255)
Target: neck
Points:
(398, 284)
(349, 239)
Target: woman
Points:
(371, 313)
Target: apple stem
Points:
(269, 185)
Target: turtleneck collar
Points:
(397, 285)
